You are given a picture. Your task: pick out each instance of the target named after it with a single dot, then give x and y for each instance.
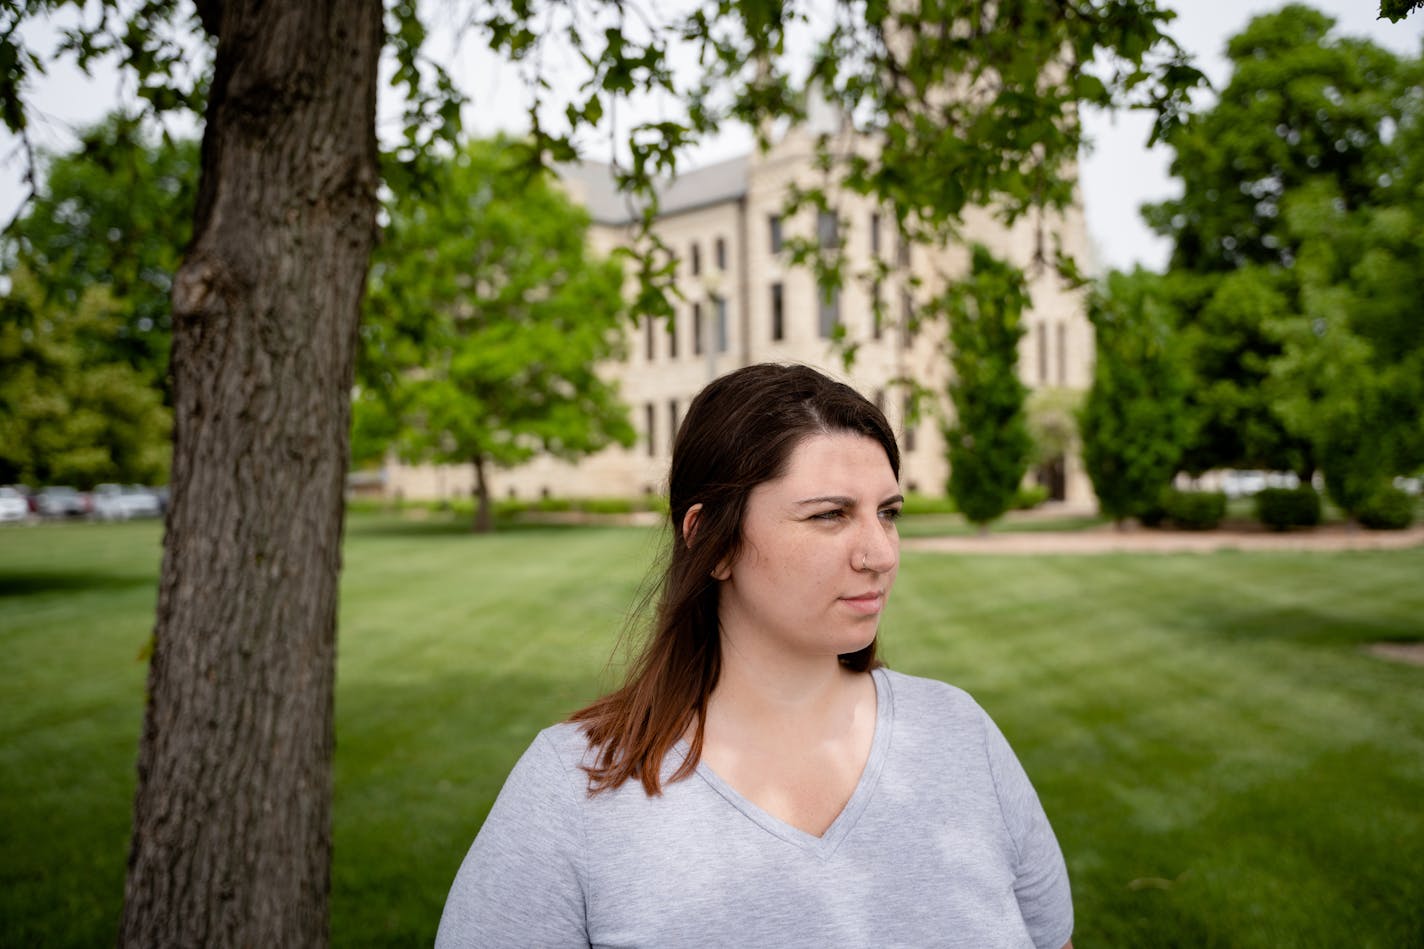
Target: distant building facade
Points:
(742, 302)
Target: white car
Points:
(13, 506)
(115, 502)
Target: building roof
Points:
(698, 188)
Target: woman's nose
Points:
(879, 549)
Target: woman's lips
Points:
(867, 603)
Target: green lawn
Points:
(1222, 763)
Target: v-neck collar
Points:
(825, 845)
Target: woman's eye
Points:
(891, 513)
(828, 515)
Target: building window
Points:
(778, 314)
(719, 307)
(902, 252)
(875, 234)
(909, 439)
(672, 335)
(1062, 341)
(1041, 331)
(721, 247)
(830, 311)
(697, 329)
(650, 426)
(880, 400)
(648, 332)
(907, 319)
(877, 312)
(827, 229)
(696, 260)
(774, 231)
(672, 422)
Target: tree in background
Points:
(1229, 346)
(1306, 118)
(114, 213)
(72, 411)
(232, 838)
(988, 440)
(486, 318)
(1350, 379)
(1133, 422)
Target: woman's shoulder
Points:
(558, 749)
(923, 694)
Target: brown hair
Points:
(738, 433)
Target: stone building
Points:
(742, 302)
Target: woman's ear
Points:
(689, 534)
(689, 523)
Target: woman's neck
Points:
(785, 694)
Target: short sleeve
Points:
(1041, 883)
(521, 882)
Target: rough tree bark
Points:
(232, 829)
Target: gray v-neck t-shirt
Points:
(942, 843)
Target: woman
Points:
(761, 779)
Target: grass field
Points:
(1224, 766)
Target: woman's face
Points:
(819, 552)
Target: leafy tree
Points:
(988, 441)
(114, 213)
(486, 317)
(1229, 347)
(1133, 421)
(70, 412)
(1304, 113)
(1350, 379)
(232, 818)
(1301, 106)
(1396, 10)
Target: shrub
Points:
(1029, 496)
(1281, 509)
(1154, 514)
(925, 504)
(606, 505)
(1195, 510)
(1388, 509)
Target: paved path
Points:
(1109, 540)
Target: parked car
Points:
(61, 501)
(116, 502)
(13, 505)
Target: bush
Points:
(1195, 510)
(1029, 496)
(924, 504)
(1281, 509)
(606, 505)
(1388, 509)
(1154, 514)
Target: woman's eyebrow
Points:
(838, 500)
(843, 501)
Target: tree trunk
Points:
(484, 517)
(232, 820)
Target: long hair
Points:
(738, 433)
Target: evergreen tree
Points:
(1133, 422)
(988, 441)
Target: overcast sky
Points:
(1119, 174)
